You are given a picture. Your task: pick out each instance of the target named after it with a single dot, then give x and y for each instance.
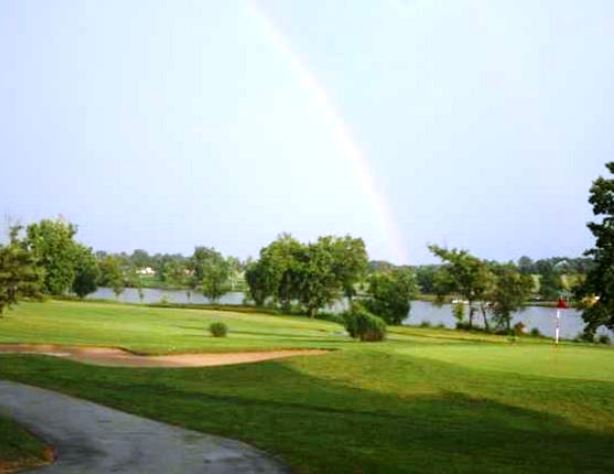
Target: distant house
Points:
(146, 271)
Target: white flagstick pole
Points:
(558, 325)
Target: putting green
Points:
(564, 361)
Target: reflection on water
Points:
(532, 317)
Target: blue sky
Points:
(165, 125)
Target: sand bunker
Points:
(120, 358)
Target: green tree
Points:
(20, 276)
(390, 294)
(465, 275)
(215, 274)
(526, 265)
(86, 272)
(425, 277)
(599, 283)
(53, 246)
(350, 261)
(111, 274)
(319, 285)
(509, 294)
(280, 272)
(261, 281)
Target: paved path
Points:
(90, 438)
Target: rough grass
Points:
(427, 400)
(18, 448)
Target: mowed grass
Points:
(427, 400)
(161, 330)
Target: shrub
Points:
(536, 332)
(425, 324)
(603, 339)
(441, 325)
(218, 329)
(463, 326)
(519, 329)
(363, 325)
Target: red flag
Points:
(562, 304)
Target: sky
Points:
(476, 124)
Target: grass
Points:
(18, 448)
(428, 400)
(153, 330)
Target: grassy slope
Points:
(160, 330)
(18, 448)
(426, 401)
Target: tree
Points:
(20, 276)
(390, 294)
(53, 246)
(509, 294)
(425, 277)
(549, 280)
(86, 272)
(466, 275)
(215, 272)
(599, 283)
(319, 285)
(526, 265)
(261, 281)
(141, 259)
(276, 274)
(111, 274)
(350, 261)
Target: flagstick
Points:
(558, 325)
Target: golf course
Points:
(423, 400)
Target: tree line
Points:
(46, 258)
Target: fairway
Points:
(151, 330)
(427, 400)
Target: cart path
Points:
(95, 439)
(110, 356)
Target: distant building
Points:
(146, 271)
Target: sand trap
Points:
(120, 358)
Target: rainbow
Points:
(341, 132)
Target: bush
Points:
(536, 333)
(519, 329)
(218, 329)
(361, 324)
(464, 326)
(425, 324)
(603, 339)
(440, 325)
(585, 336)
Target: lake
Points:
(532, 317)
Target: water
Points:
(532, 317)
(155, 295)
(538, 317)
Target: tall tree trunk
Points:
(483, 309)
